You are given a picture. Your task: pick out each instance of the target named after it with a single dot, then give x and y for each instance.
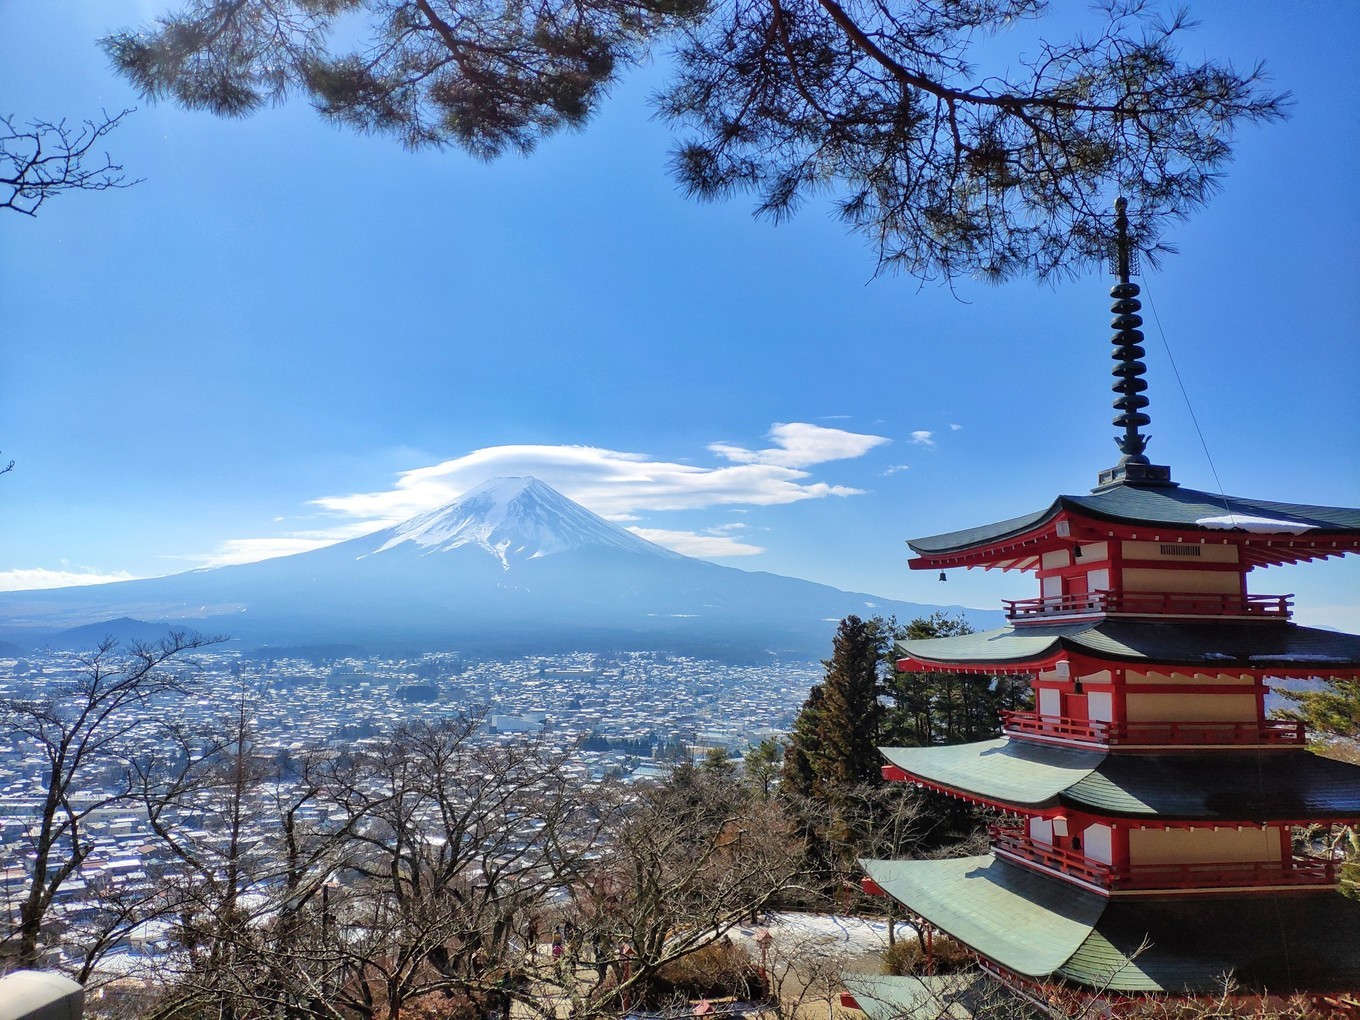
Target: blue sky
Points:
(289, 333)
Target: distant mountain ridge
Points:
(512, 566)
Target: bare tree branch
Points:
(40, 159)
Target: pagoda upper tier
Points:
(1147, 549)
(1263, 532)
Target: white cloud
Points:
(954, 428)
(24, 579)
(621, 485)
(894, 468)
(798, 444)
(921, 437)
(618, 485)
(248, 550)
(724, 529)
(692, 543)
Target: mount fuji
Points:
(513, 566)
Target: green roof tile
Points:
(1169, 506)
(1279, 943)
(929, 997)
(1022, 920)
(1007, 771)
(1242, 786)
(1229, 786)
(1198, 645)
(1044, 927)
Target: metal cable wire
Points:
(1185, 395)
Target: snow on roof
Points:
(1255, 525)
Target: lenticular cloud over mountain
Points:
(514, 519)
(512, 566)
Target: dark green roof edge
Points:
(1043, 927)
(1279, 943)
(1198, 645)
(1243, 786)
(1166, 506)
(924, 997)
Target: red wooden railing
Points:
(1298, 870)
(1140, 603)
(1271, 732)
(1016, 842)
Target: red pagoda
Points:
(1155, 817)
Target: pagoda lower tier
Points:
(1292, 786)
(1044, 929)
(1202, 823)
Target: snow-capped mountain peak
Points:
(514, 519)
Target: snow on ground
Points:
(794, 933)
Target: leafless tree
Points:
(437, 846)
(684, 862)
(85, 733)
(40, 159)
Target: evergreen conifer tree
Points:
(835, 737)
(950, 158)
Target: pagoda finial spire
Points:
(1129, 368)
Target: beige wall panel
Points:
(1211, 582)
(1095, 551)
(1041, 830)
(1202, 846)
(1228, 680)
(1100, 706)
(1191, 707)
(1207, 553)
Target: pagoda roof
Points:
(1025, 921)
(927, 997)
(1288, 785)
(1213, 786)
(1044, 927)
(1274, 647)
(1166, 507)
(1002, 771)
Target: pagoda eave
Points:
(1268, 533)
(1300, 940)
(1205, 788)
(924, 997)
(1261, 649)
